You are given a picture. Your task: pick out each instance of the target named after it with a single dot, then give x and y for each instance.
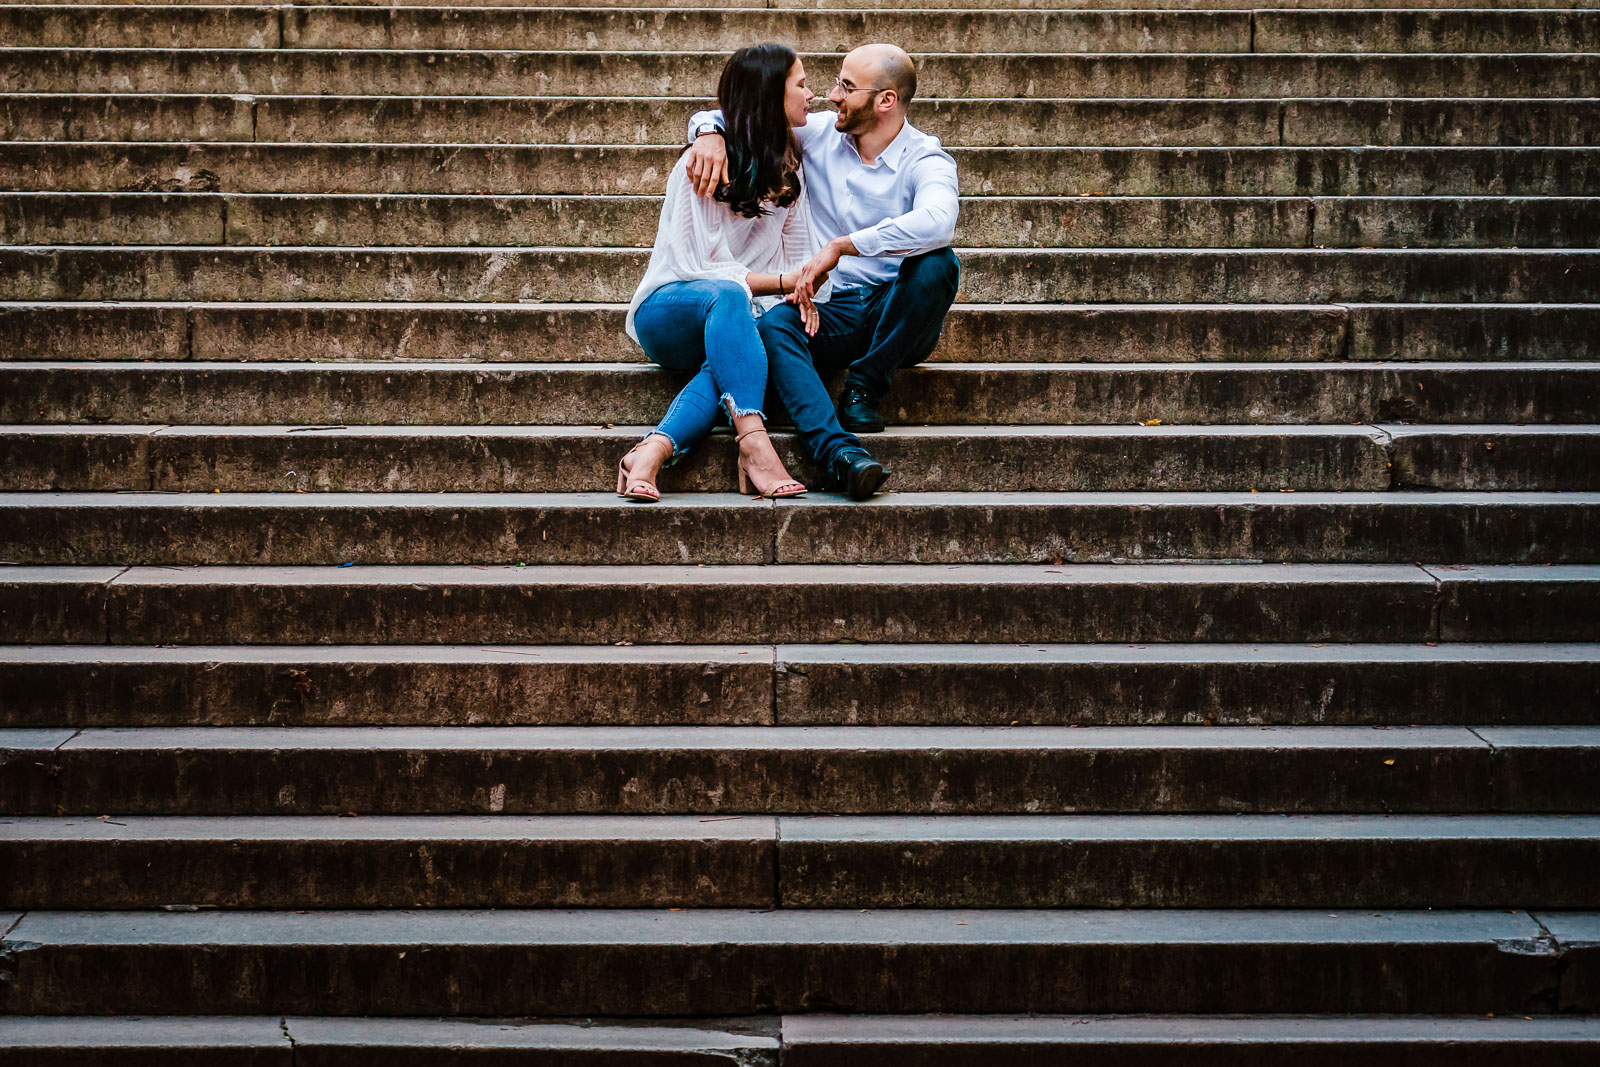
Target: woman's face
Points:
(796, 97)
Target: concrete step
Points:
(988, 276)
(973, 333)
(587, 120)
(631, 169)
(57, 25)
(954, 74)
(611, 603)
(1030, 861)
(961, 394)
(495, 459)
(815, 685)
(258, 1041)
(823, 770)
(625, 962)
(1201, 1041)
(289, 529)
(720, 528)
(630, 221)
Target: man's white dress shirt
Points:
(903, 204)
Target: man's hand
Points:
(815, 272)
(708, 163)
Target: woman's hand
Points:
(810, 319)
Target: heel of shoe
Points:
(744, 481)
(622, 479)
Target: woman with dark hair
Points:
(716, 265)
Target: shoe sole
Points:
(861, 427)
(863, 483)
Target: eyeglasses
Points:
(848, 89)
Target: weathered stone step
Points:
(56, 25)
(513, 394)
(625, 962)
(959, 74)
(661, 120)
(964, 5)
(495, 459)
(410, 862)
(1203, 1041)
(510, 169)
(504, 861)
(808, 1040)
(630, 221)
(816, 685)
(989, 276)
(825, 770)
(259, 1041)
(607, 604)
(723, 528)
(592, 333)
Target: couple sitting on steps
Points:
(794, 245)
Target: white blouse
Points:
(700, 239)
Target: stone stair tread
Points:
(603, 501)
(819, 928)
(1375, 430)
(847, 1040)
(1064, 830)
(1465, 652)
(807, 1040)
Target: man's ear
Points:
(887, 100)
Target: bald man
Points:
(883, 199)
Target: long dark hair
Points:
(763, 158)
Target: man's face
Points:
(852, 98)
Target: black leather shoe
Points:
(858, 474)
(858, 412)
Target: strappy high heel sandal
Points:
(779, 491)
(640, 489)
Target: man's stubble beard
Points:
(851, 120)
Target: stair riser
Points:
(1229, 874)
(626, 979)
(125, 779)
(526, 687)
(812, 690)
(1451, 461)
(816, 691)
(170, 462)
(207, 219)
(1397, 605)
(1553, 531)
(988, 276)
(823, 31)
(141, 609)
(806, 874)
(508, 169)
(1107, 394)
(972, 333)
(695, 74)
(646, 121)
(394, 874)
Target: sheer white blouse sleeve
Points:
(699, 239)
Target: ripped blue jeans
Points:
(706, 327)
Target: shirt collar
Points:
(892, 153)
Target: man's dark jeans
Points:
(872, 331)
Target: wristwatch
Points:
(706, 127)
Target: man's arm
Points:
(931, 222)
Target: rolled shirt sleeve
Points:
(931, 222)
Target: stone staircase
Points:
(1220, 680)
